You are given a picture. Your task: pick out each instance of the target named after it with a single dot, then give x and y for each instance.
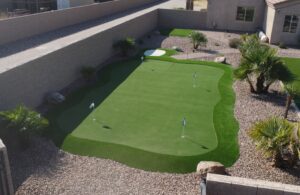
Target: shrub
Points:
(281, 45)
(273, 136)
(198, 39)
(24, 123)
(88, 72)
(235, 43)
(125, 45)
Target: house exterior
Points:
(279, 19)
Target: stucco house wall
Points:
(76, 3)
(5, 4)
(221, 15)
(276, 33)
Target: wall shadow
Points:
(109, 78)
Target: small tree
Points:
(272, 136)
(125, 45)
(23, 122)
(291, 92)
(198, 39)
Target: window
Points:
(245, 14)
(290, 24)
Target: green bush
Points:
(198, 39)
(235, 43)
(88, 72)
(125, 45)
(273, 136)
(23, 123)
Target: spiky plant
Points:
(198, 39)
(272, 136)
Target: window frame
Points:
(246, 8)
(293, 21)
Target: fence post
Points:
(6, 185)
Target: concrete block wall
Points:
(182, 19)
(28, 83)
(14, 29)
(224, 185)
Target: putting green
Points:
(138, 116)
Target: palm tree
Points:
(272, 136)
(291, 92)
(198, 39)
(260, 62)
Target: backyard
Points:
(147, 116)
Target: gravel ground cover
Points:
(250, 108)
(43, 169)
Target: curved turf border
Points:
(226, 127)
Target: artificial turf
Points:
(139, 112)
(176, 32)
(294, 66)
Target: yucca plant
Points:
(272, 136)
(198, 39)
(295, 146)
(23, 122)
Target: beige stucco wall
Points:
(26, 26)
(269, 21)
(28, 83)
(277, 34)
(76, 3)
(222, 14)
(5, 4)
(182, 19)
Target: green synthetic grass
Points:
(294, 65)
(176, 32)
(139, 111)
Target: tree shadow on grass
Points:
(109, 78)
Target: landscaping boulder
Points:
(220, 60)
(177, 49)
(205, 167)
(55, 98)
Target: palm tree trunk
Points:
(277, 159)
(260, 83)
(252, 90)
(288, 104)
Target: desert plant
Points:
(235, 43)
(261, 63)
(295, 146)
(198, 39)
(23, 122)
(125, 45)
(88, 72)
(272, 136)
(291, 92)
